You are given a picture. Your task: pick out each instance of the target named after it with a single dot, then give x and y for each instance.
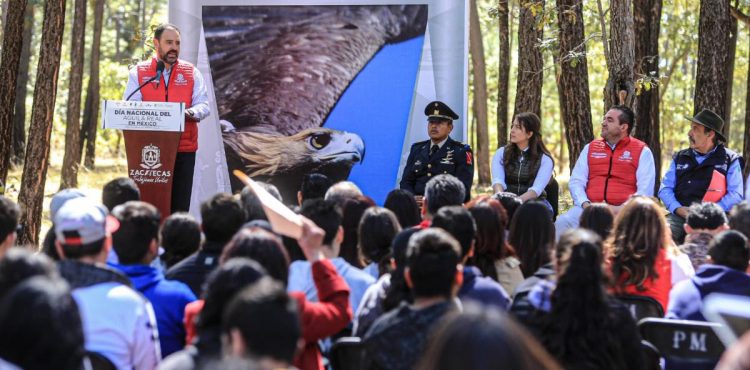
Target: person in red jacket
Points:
(180, 82)
(609, 169)
(319, 319)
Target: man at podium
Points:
(180, 82)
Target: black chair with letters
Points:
(641, 307)
(683, 344)
(347, 353)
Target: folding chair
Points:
(641, 307)
(683, 344)
(347, 354)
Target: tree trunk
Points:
(31, 195)
(746, 146)
(503, 73)
(730, 74)
(69, 177)
(19, 114)
(573, 83)
(621, 55)
(530, 60)
(11, 56)
(480, 95)
(91, 107)
(647, 16)
(713, 53)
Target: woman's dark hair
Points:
(510, 203)
(180, 236)
(41, 326)
(260, 246)
(532, 235)
(20, 264)
(221, 286)
(530, 122)
(579, 329)
(398, 291)
(377, 229)
(481, 339)
(598, 218)
(404, 206)
(352, 213)
(491, 245)
(640, 233)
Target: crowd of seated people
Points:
(444, 285)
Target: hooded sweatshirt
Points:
(686, 298)
(168, 298)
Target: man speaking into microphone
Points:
(180, 82)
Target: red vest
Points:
(612, 172)
(179, 89)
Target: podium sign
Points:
(152, 134)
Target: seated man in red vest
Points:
(609, 169)
(180, 82)
(705, 172)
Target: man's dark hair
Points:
(706, 215)
(510, 202)
(260, 246)
(20, 264)
(267, 319)
(325, 214)
(163, 27)
(222, 216)
(75, 252)
(222, 284)
(715, 139)
(443, 190)
(139, 226)
(432, 258)
(739, 218)
(180, 236)
(119, 191)
(41, 326)
(626, 116)
(9, 213)
(458, 222)
(251, 203)
(729, 248)
(314, 186)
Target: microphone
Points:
(159, 71)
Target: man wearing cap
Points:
(439, 155)
(118, 323)
(705, 172)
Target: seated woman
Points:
(576, 320)
(643, 259)
(523, 167)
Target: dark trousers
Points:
(182, 182)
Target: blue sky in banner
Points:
(376, 106)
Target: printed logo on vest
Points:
(150, 157)
(721, 167)
(625, 157)
(180, 80)
(680, 167)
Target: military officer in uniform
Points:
(439, 155)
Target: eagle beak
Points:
(344, 146)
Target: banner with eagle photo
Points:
(335, 87)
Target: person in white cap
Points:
(118, 323)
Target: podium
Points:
(152, 134)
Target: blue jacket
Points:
(482, 289)
(686, 298)
(168, 298)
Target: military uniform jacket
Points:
(454, 158)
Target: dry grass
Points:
(90, 182)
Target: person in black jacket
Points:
(439, 155)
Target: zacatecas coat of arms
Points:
(150, 157)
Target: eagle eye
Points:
(319, 141)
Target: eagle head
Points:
(285, 160)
